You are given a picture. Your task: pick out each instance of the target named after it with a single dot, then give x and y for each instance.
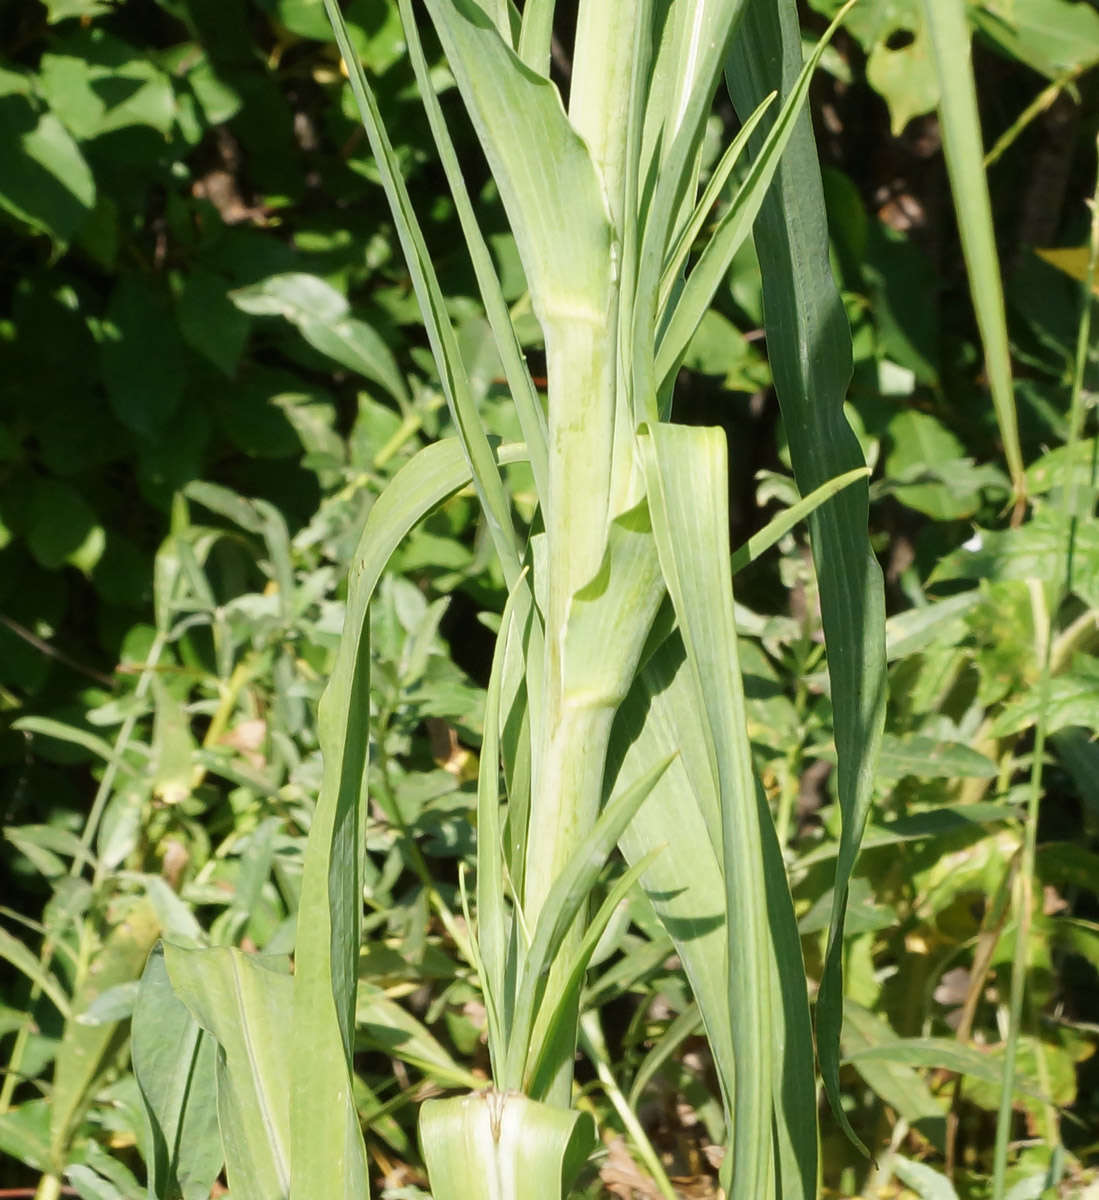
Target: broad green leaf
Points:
(936, 822)
(918, 628)
(1053, 36)
(1034, 551)
(244, 1002)
(494, 1145)
(174, 1062)
(1079, 756)
(46, 181)
(210, 322)
(901, 1086)
(383, 1025)
(62, 527)
(97, 83)
(944, 1054)
(62, 10)
(257, 516)
(900, 67)
(173, 747)
(24, 1133)
(809, 346)
(1069, 699)
(86, 1051)
(923, 1179)
(923, 445)
(141, 354)
(927, 758)
(961, 133)
(323, 316)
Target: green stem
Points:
(1061, 587)
(564, 806)
(49, 1188)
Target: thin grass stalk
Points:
(1023, 892)
(951, 52)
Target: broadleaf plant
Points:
(616, 706)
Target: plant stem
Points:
(1062, 585)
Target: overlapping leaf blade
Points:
(809, 346)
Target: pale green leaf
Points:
(86, 1051)
(173, 1060)
(244, 1002)
(502, 1146)
(959, 121)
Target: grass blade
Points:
(569, 891)
(811, 361)
(736, 223)
(328, 1155)
(492, 938)
(444, 347)
(531, 416)
(549, 1028)
(686, 470)
(761, 542)
(948, 31)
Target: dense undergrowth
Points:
(211, 363)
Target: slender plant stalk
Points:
(1023, 895)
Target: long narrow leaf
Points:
(550, 1027)
(486, 476)
(328, 1156)
(686, 471)
(810, 351)
(568, 893)
(736, 223)
(491, 922)
(531, 417)
(776, 528)
(948, 33)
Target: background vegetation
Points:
(210, 364)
